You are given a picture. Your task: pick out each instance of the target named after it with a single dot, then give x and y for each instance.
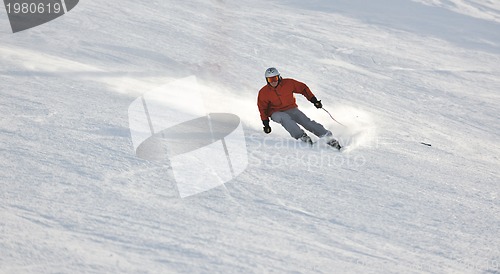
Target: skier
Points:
(276, 100)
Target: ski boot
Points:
(331, 141)
(306, 139)
(334, 143)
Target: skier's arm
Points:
(304, 90)
(263, 106)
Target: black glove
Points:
(267, 128)
(316, 103)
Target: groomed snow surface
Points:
(75, 197)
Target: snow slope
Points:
(76, 199)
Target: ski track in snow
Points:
(75, 199)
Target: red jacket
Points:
(280, 98)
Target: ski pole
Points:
(333, 118)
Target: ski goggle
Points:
(273, 79)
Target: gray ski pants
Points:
(290, 118)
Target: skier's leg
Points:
(311, 125)
(288, 123)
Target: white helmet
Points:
(270, 72)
